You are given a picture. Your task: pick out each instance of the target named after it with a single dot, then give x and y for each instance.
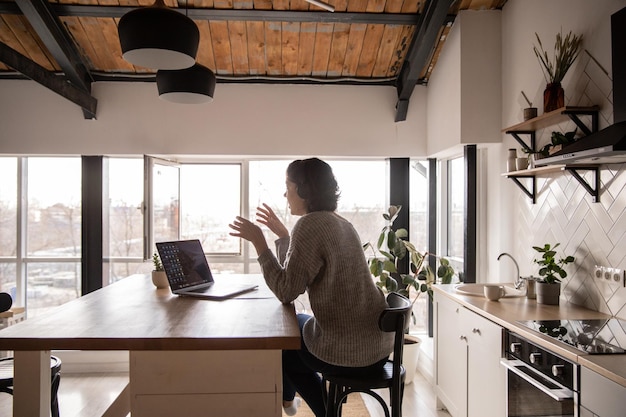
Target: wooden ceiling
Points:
(68, 44)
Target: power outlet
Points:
(609, 275)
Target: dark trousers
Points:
(301, 374)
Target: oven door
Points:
(530, 393)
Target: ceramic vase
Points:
(548, 293)
(159, 279)
(553, 97)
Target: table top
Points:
(133, 315)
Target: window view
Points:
(456, 212)
(53, 225)
(418, 229)
(210, 198)
(125, 219)
(8, 224)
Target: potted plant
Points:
(551, 273)
(159, 279)
(393, 245)
(566, 50)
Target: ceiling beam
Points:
(435, 15)
(39, 74)
(78, 10)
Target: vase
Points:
(159, 279)
(553, 97)
(548, 293)
(510, 162)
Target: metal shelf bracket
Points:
(532, 192)
(593, 190)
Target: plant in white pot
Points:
(551, 273)
(159, 279)
(393, 245)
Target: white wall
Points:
(242, 120)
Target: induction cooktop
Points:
(597, 336)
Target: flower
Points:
(566, 51)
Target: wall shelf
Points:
(529, 127)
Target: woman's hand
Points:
(245, 229)
(265, 215)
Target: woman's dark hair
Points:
(315, 183)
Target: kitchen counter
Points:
(507, 311)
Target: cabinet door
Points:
(601, 395)
(486, 390)
(451, 357)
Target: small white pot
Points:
(159, 279)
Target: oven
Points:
(539, 382)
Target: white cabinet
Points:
(469, 379)
(599, 396)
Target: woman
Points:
(324, 257)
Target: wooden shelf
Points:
(552, 118)
(529, 127)
(534, 171)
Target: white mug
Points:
(493, 292)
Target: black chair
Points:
(393, 319)
(6, 380)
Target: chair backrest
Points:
(396, 318)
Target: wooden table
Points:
(187, 355)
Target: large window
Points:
(418, 229)
(40, 240)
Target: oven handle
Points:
(557, 394)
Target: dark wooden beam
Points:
(234, 14)
(39, 74)
(58, 41)
(424, 40)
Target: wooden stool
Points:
(6, 380)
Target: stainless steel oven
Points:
(539, 382)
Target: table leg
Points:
(31, 383)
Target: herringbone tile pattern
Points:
(595, 233)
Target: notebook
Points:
(188, 272)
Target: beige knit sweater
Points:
(324, 256)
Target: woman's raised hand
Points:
(265, 215)
(245, 229)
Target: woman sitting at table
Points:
(324, 257)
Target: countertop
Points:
(507, 311)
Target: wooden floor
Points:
(89, 395)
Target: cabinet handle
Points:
(463, 338)
(476, 331)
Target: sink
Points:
(478, 289)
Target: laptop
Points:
(188, 272)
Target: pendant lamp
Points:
(192, 85)
(158, 37)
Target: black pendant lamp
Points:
(158, 37)
(192, 85)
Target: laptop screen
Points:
(184, 263)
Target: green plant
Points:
(156, 261)
(550, 269)
(566, 50)
(393, 245)
(564, 139)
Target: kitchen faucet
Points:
(519, 282)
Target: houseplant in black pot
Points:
(551, 273)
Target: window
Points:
(418, 229)
(124, 218)
(8, 224)
(456, 207)
(53, 232)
